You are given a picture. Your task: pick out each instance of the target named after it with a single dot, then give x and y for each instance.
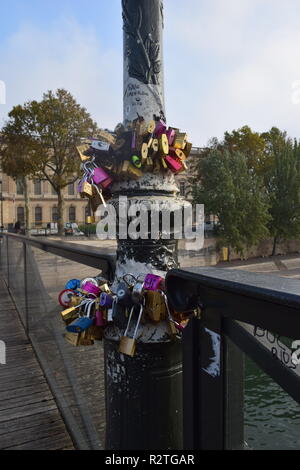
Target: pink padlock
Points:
(99, 175)
(152, 282)
(160, 128)
(99, 319)
(173, 164)
(91, 288)
(171, 134)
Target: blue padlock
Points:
(73, 284)
(80, 325)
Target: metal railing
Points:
(236, 306)
(35, 271)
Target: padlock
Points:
(75, 301)
(127, 344)
(154, 148)
(160, 128)
(174, 165)
(73, 284)
(151, 127)
(170, 133)
(86, 339)
(188, 148)
(152, 282)
(87, 190)
(81, 149)
(144, 153)
(99, 175)
(80, 325)
(72, 338)
(175, 327)
(106, 300)
(149, 143)
(180, 154)
(91, 288)
(99, 319)
(155, 306)
(96, 332)
(180, 141)
(65, 296)
(137, 292)
(90, 219)
(163, 145)
(105, 288)
(124, 294)
(69, 314)
(133, 172)
(136, 161)
(100, 145)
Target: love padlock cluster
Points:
(132, 151)
(92, 304)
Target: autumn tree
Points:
(51, 128)
(235, 194)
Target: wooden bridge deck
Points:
(29, 417)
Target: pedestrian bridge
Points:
(52, 395)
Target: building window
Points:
(38, 215)
(54, 214)
(182, 188)
(21, 215)
(72, 214)
(37, 187)
(71, 189)
(20, 187)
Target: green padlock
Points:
(136, 161)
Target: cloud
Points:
(65, 56)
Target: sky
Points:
(228, 63)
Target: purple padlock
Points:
(99, 318)
(91, 288)
(106, 300)
(99, 175)
(171, 134)
(152, 282)
(80, 185)
(160, 128)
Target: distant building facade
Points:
(43, 199)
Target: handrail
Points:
(90, 256)
(213, 408)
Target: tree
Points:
(235, 194)
(283, 187)
(252, 145)
(51, 128)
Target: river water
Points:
(272, 418)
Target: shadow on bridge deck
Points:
(29, 417)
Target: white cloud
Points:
(65, 56)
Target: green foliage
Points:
(234, 193)
(88, 229)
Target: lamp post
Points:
(1, 197)
(144, 393)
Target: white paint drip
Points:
(214, 368)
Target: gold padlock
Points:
(155, 306)
(188, 149)
(105, 288)
(164, 145)
(163, 163)
(180, 141)
(72, 338)
(87, 190)
(134, 172)
(144, 153)
(75, 300)
(154, 147)
(90, 219)
(180, 154)
(85, 338)
(81, 149)
(128, 345)
(151, 127)
(69, 313)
